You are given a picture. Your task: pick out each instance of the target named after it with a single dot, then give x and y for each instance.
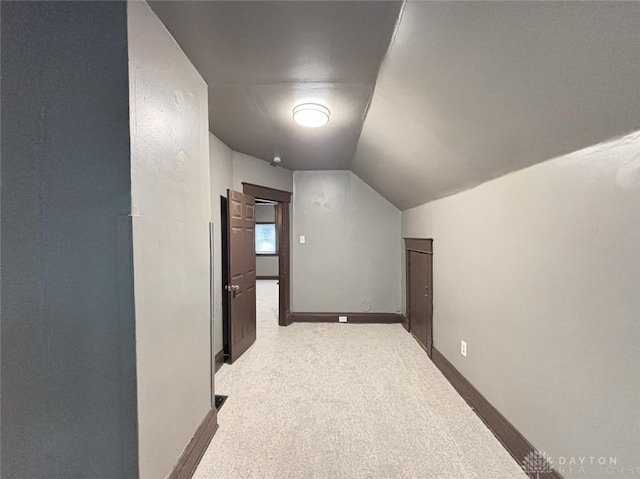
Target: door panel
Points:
(241, 289)
(419, 267)
(418, 300)
(429, 298)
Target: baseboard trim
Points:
(219, 360)
(190, 458)
(512, 440)
(285, 320)
(354, 318)
(267, 277)
(405, 322)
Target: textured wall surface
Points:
(539, 272)
(172, 210)
(252, 170)
(221, 167)
(68, 366)
(351, 259)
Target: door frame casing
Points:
(425, 246)
(283, 229)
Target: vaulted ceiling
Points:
(262, 58)
(458, 93)
(472, 90)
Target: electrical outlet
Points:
(342, 319)
(463, 348)
(303, 240)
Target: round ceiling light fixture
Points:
(311, 115)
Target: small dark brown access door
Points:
(241, 289)
(419, 257)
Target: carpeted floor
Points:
(344, 401)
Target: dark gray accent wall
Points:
(68, 366)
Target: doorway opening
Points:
(225, 276)
(267, 253)
(281, 201)
(269, 249)
(419, 270)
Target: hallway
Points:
(344, 401)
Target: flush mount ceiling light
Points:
(311, 115)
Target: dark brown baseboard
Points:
(354, 318)
(219, 360)
(267, 277)
(190, 458)
(285, 320)
(512, 440)
(405, 322)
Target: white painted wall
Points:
(539, 272)
(171, 203)
(352, 252)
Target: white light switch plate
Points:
(303, 240)
(463, 348)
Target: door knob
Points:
(232, 287)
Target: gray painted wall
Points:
(539, 272)
(252, 170)
(171, 202)
(266, 265)
(352, 252)
(229, 169)
(68, 366)
(221, 166)
(266, 213)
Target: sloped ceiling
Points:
(466, 92)
(472, 90)
(262, 58)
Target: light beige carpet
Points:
(344, 401)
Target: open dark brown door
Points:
(241, 289)
(419, 255)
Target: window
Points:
(266, 238)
